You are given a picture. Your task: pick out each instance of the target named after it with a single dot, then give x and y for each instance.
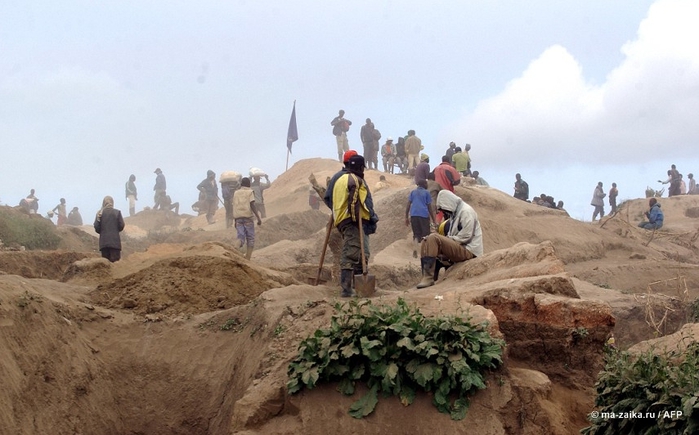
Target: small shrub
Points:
(653, 386)
(397, 351)
(694, 311)
(230, 324)
(32, 232)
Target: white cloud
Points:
(551, 113)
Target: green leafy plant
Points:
(694, 311)
(230, 324)
(395, 350)
(655, 386)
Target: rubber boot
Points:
(428, 264)
(248, 252)
(346, 282)
(132, 211)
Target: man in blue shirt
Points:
(654, 215)
(419, 213)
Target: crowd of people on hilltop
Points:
(445, 229)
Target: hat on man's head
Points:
(389, 139)
(347, 155)
(424, 157)
(157, 171)
(356, 164)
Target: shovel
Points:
(317, 280)
(364, 285)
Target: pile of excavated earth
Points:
(186, 336)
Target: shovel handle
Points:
(361, 246)
(325, 247)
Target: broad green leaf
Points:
(309, 377)
(349, 350)
(366, 405)
(407, 395)
(406, 342)
(346, 387)
(459, 409)
(357, 372)
(293, 386)
(423, 374)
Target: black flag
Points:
(293, 134)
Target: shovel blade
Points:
(365, 285)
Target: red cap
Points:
(347, 155)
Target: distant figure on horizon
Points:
(340, 128)
(413, 146)
(521, 188)
(422, 169)
(167, 205)
(480, 181)
(131, 194)
(461, 161)
(74, 217)
(613, 193)
(61, 212)
(370, 139)
(654, 215)
(209, 190)
(598, 202)
(30, 203)
(683, 187)
(108, 224)
(692, 185)
(451, 151)
(159, 189)
(674, 178)
(258, 187)
(401, 155)
(388, 155)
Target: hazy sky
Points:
(568, 93)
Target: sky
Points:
(567, 93)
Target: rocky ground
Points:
(185, 336)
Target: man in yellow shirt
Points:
(350, 200)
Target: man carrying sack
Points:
(351, 203)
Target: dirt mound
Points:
(88, 271)
(291, 226)
(149, 220)
(77, 239)
(189, 284)
(39, 264)
(289, 192)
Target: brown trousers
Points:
(436, 245)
